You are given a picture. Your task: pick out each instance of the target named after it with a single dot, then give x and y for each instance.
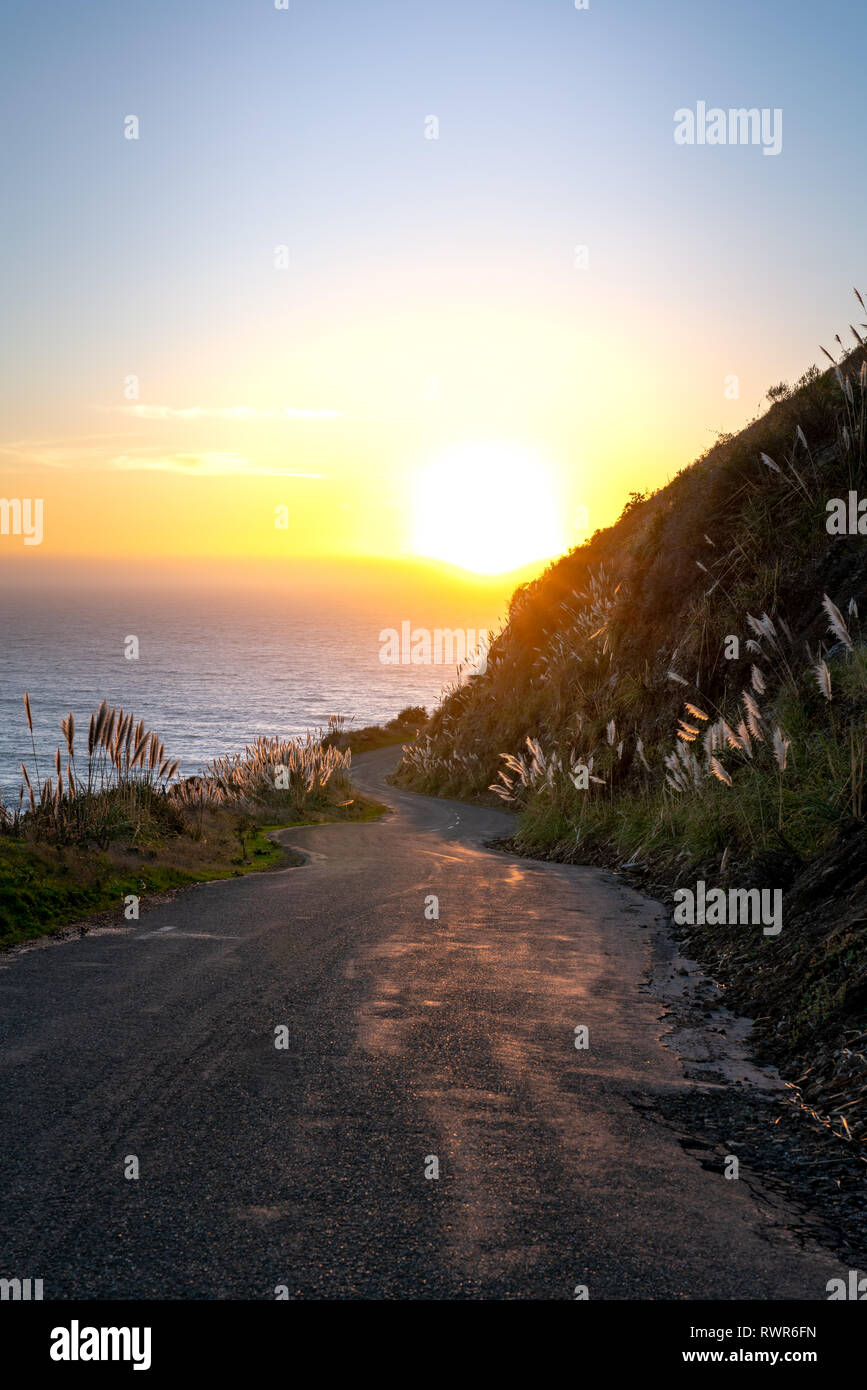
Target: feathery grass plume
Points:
(695, 711)
(107, 734)
(823, 678)
(29, 787)
(691, 729)
(836, 623)
(781, 748)
(763, 627)
(673, 676)
(845, 385)
(611, 732)
(67, 728)
(754, 717)
(757, 681)
(701, 566)
(29, 715)
(719, 772)
(689, 766)
(769, 462)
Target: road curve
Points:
(308, 1167)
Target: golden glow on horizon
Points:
(487, 507)
(198, 467)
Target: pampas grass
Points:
(823, 678)
(130, 782)
(836, 623)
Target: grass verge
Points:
(45, 886)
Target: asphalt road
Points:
(409, 1039)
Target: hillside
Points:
(683, 698)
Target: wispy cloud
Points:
(52, 453)
(208, 465)
(230, 412)
(81, 455)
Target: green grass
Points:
(46, 887)
(400, 730)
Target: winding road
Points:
(414, 1045)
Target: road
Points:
(308, 1167)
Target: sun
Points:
(487, 507)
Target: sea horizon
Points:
(221, 661)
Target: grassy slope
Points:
(582, 667)
(402, 729)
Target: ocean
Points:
(218, 664)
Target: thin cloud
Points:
(208, 465)
(51, 453)
(230, 412)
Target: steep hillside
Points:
(684, 698)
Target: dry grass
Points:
(126, 787)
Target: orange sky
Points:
(522, 416)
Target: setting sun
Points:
(486, 507)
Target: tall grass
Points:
(125, 786)
(612, 710)
(780, 767)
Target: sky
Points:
(283, 322)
